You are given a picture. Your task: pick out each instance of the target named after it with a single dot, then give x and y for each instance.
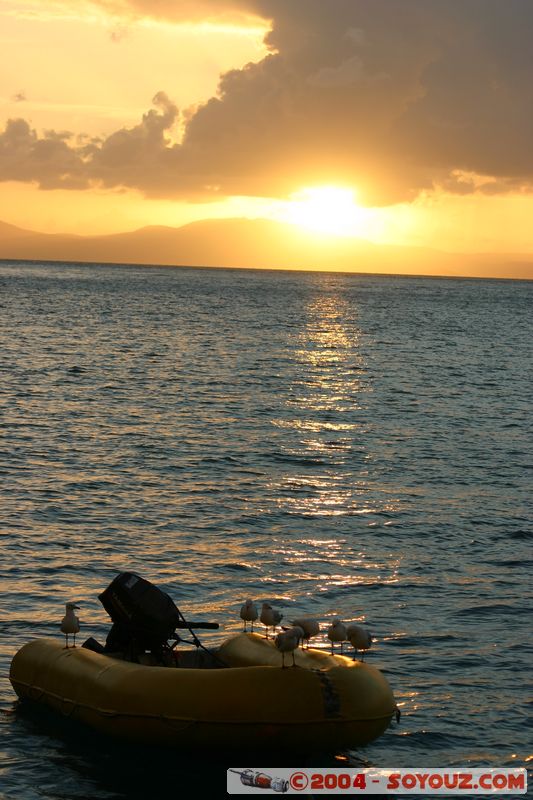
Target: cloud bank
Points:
(393, 96)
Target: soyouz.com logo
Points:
(377, 781)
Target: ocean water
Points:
(341, 445)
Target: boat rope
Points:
(94, 708)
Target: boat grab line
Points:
(168, 718)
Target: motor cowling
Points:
(142, 614)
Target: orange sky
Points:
(403, 122)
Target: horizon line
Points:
(408, 275)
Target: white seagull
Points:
(336, 632)
(270, 617)
(70, 623)
(287, 642)
(249, 613)
(359, 638)
(309, 626)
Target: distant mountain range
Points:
(256, 243)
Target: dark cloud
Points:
(142, 157)
(48, 160)
(134, 157)
(394, 97)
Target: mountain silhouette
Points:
(253, 243)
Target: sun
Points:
(329, 210)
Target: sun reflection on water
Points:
(334, 567)
(322, 406)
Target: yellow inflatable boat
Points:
(325, 703)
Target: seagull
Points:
(336, 632)
(287, 642)
(249, 613)
(360, 638)
(309, 626)
(70, 622)
(270, 617)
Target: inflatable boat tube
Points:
(328, 703)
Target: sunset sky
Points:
(401, 121)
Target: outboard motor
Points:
(144, 617)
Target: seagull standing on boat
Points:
(359, 638)
(287, 642)
(309, 626)
(270, 617)
(70, 623)
(249, 613)
(336, 632)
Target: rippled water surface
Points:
(338, 444)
